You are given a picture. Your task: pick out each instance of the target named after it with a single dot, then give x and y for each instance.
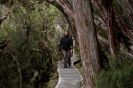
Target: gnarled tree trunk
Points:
(87, 40)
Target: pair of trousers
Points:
(67, 58)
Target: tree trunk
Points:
(106, 10)
(110, 28)
(87, 40)
(65, 6)
(127, 6)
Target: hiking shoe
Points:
(65, 66)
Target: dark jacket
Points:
(66, 43)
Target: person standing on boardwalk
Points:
(66, 44)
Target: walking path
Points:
(68, 77)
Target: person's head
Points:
(66, 32)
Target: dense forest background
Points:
(30, 31)
(28, 39)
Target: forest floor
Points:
(69, 77)
(53, 81)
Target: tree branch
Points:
(4, 17)
(19, 70)
(3, 46)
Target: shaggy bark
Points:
(106, 11)
(99, 22)
(111, 28)
(127, 6)
(87, 40)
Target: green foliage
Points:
(77, 51)
(103, 33)
(118, 74)
(96, 11)
(80, 83)
(26, 28)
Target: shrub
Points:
(118, 74)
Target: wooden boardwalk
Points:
(68, 77)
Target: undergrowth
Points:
(118, 73)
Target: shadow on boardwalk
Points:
(68, 77)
